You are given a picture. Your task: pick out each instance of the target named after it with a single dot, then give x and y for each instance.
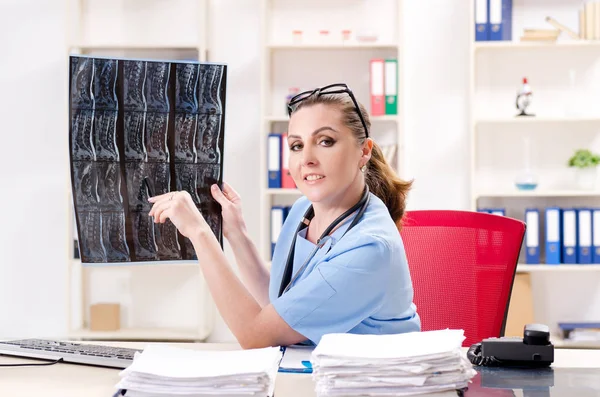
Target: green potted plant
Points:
(585, 163)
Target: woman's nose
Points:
(308, 156)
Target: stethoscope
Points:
(287, 281)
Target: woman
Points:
(320, 282)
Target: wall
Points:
(435, 92)
(33, 76)
(36, 198)
(34, 82)
(33, 176)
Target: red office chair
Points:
(462, 266)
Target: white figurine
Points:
(524, 98)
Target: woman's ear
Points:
(367, 150)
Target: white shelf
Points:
(332, 46)
(538, 193)
(529, 45)
(388, 117)
(554, 132)
(524, 268)
(136, 46)
(277, 119)
(283, 192)
(285, 119)
(139, 334)
(561, 343)
(79, 280)
(180, 263)
(537, 120)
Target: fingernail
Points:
(214, 187)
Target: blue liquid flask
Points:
(526, 179)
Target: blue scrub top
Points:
(362, 285)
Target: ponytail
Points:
(385, 184)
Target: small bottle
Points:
(346, 33)
(526, 179)
(297, 37)
(293, 91)
(324, 37)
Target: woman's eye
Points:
(326, 142)
(295, 147)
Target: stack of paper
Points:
(414, 363)
(162, 370)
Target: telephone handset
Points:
(533, 350)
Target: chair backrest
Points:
(462, 265)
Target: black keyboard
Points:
(77, 353)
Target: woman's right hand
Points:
(231, 204)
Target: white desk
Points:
(67, 380)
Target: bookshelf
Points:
(565, 89)
(512, 45)
(137, 334)
(356, 46)
(558, 127)
(524, 268)
(538, 120)
(162, 301)
(313, 62)
(537, 193)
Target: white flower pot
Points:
(586, 178)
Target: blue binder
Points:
(553, 236)
(500, 18)
(532, 236)
(277, 216)
(596, 235)
(493, 211)
(274, 160)
(482, 20)
(569, 236)
(286, 212)
(584, 232)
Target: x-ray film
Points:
(140, 128)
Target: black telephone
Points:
(534, 350)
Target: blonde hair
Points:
(379, 176)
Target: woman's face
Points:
(325, 158)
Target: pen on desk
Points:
(296, 370)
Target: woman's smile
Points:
(312, 179)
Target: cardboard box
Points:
(105, 317)
(520, 310)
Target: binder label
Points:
(585, 228)
(533, 236)
(597, 229)
(569, 232)
(552, 220)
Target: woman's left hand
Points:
(181, 210)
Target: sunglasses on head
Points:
(339, 88)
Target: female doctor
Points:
(339, 264)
